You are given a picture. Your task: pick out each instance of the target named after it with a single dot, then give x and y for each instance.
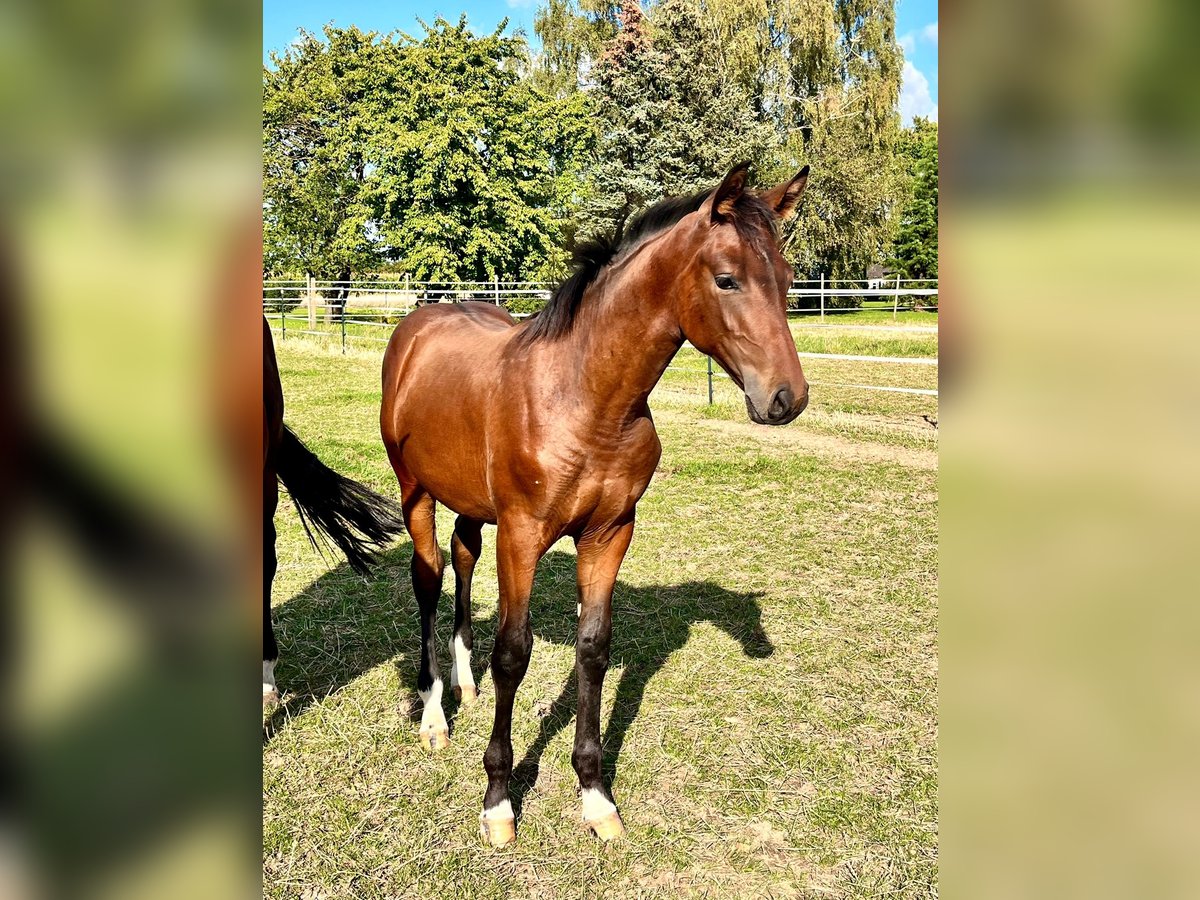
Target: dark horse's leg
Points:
(599, 561)
(270, 649)
(464, 553)
(517, 552)
(427, 566)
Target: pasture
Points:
(770, 713)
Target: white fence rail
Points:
(368, 310)
(406, 292)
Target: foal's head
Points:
(733, 297)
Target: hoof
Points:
(435, 739)
(608, 828)
(270, 698)
(498, 832)
(465, 695)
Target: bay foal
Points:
(542, 428)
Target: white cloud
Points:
(930, 32)
(915, 99)
(908, 42)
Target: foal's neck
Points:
(626, 335)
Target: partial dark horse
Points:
(542, 428)
(355, 518)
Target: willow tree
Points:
(573, 34)
(826, 75)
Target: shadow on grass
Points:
(342, 626)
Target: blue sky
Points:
(916, 29)
(917, 32)
(283, 18)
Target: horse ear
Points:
(727, 193)
(785, 197)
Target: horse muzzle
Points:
(781, 406)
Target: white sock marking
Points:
(596, 806)
(269, 677)
(460, 664)
(502, 810)
(432, 717)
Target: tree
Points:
(432, 155)
(471, 161)
(573, 35)
(826, 73)
(814, 82)
(320, 106)
(669, 122)
(916, 246)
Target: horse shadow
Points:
(341, 626)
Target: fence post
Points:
(312, 303)
(283, 313)
(710, 394)
(496, 286)
(344, 325)
(822, 298)
(896, 298)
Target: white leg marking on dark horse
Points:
(433, 720)
(596, 806)
(502, 810)
(460, 665)
(269, 687)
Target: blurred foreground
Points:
(1070, 223)
(129, 234)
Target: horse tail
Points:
(335, 508)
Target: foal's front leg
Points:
(599, 561)
(517, 553)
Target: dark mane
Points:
(751, 216)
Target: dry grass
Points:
(770, 713)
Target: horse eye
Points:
(727, 282)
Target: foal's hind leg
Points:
(427, 566)
(464, 553)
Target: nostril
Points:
(781, 403)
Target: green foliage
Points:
(471, 188)
(524, 304)
(320, 106)
(916, 246)
(670, 121)
(573, 36)
(452, 157)
(687, 87)
(432, 155)
(826, 74)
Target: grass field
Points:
(770, 713)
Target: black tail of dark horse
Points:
(335, 508)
